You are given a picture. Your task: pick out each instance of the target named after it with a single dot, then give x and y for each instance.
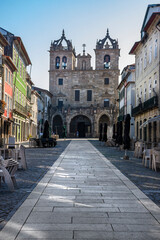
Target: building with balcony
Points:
(7, 68)
(44, 108)
(17, 52)
(28, 132)
(83, 98)
(126, 89)
(34, 114)
(147, 59)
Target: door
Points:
(81, 129)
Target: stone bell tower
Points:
(107, 64)
(107, 53)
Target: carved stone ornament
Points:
(103, 43)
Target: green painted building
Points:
(16, 50)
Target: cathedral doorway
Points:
(58, 125)
(82, 124)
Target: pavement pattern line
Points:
(84, 196)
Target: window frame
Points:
(106, 81)
(64, 62)
(60, 81)
(57, 62)
(77, 97)
(107, 64)
(106, 100)
(89, 95)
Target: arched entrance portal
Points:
(58, 125)
(103, 126)
(82, 124)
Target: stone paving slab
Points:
(39, 161)
(64, 206)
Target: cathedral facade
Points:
(84, 99)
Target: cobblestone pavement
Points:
(39, 160)
(145, 179)
(84, 196)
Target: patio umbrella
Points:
(117, 133)
(105, 133)
(114, 132)
(100, 134)
(46, 130)
(119, 137)
(126, 134)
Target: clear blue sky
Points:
(38, 22)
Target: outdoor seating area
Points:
(150, 156)
(42, 142)
(12, 157)
(8, 168)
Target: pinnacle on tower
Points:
(107, 32)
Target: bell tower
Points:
(62, 54)
(107, 53)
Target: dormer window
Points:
(106, 61)
(64, 62)
(57, 62)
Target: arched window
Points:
(154, 131)
(57, 62)
(83, 65)
(150, 132)
(64, 62)
(137, 130)
(141, 130)
(106, 61)
(145, 131)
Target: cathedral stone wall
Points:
(95, 102)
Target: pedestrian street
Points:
(84, 196)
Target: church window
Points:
(60, 103)
(89, 95)
(106, 61)
(106, 81)
(83, 65)
(57, 62)
(77, 95)
(64, 62)
(60, 81)
(106, 102)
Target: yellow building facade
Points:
(147, 58)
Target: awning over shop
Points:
(144, 124)
(154, 119)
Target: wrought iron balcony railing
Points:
(21, 109)
(147, 105)
(2, 107)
